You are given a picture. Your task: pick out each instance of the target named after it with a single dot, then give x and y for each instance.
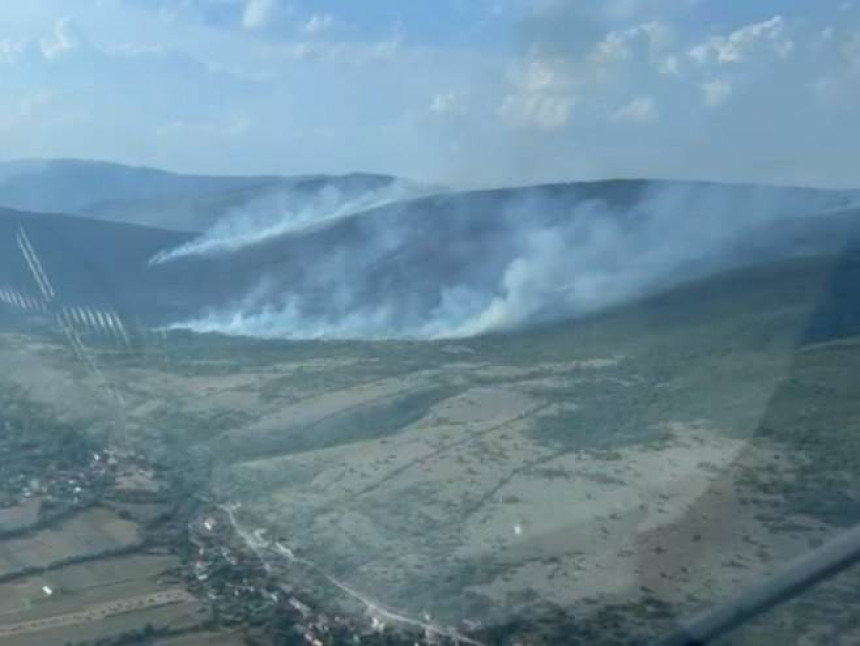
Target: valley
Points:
(621, 471)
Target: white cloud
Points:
(445, 103)
(258, 13)
(717, 92)
(739, 44)
(542, 96)
(546, 88)
(639, 110)
(612, 49)
(62, 39)
(543, 75)
(546, 112)
(617, 46)
(318, 23)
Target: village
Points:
(240, 583)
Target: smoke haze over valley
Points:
(373, 257)
(465, 264)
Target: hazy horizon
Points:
(479, 94)
(192, 172)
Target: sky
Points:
(463, 93)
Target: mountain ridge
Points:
(444, 265)
(139, 194)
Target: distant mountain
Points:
(447, 265)
(157, 198)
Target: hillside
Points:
(147, 196)
(450, 265)
(466, 263)
(89, 263)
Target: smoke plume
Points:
(280, 213)
(468, 264)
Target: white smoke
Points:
(280, 213)
(592, 257)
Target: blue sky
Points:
(460, 92)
